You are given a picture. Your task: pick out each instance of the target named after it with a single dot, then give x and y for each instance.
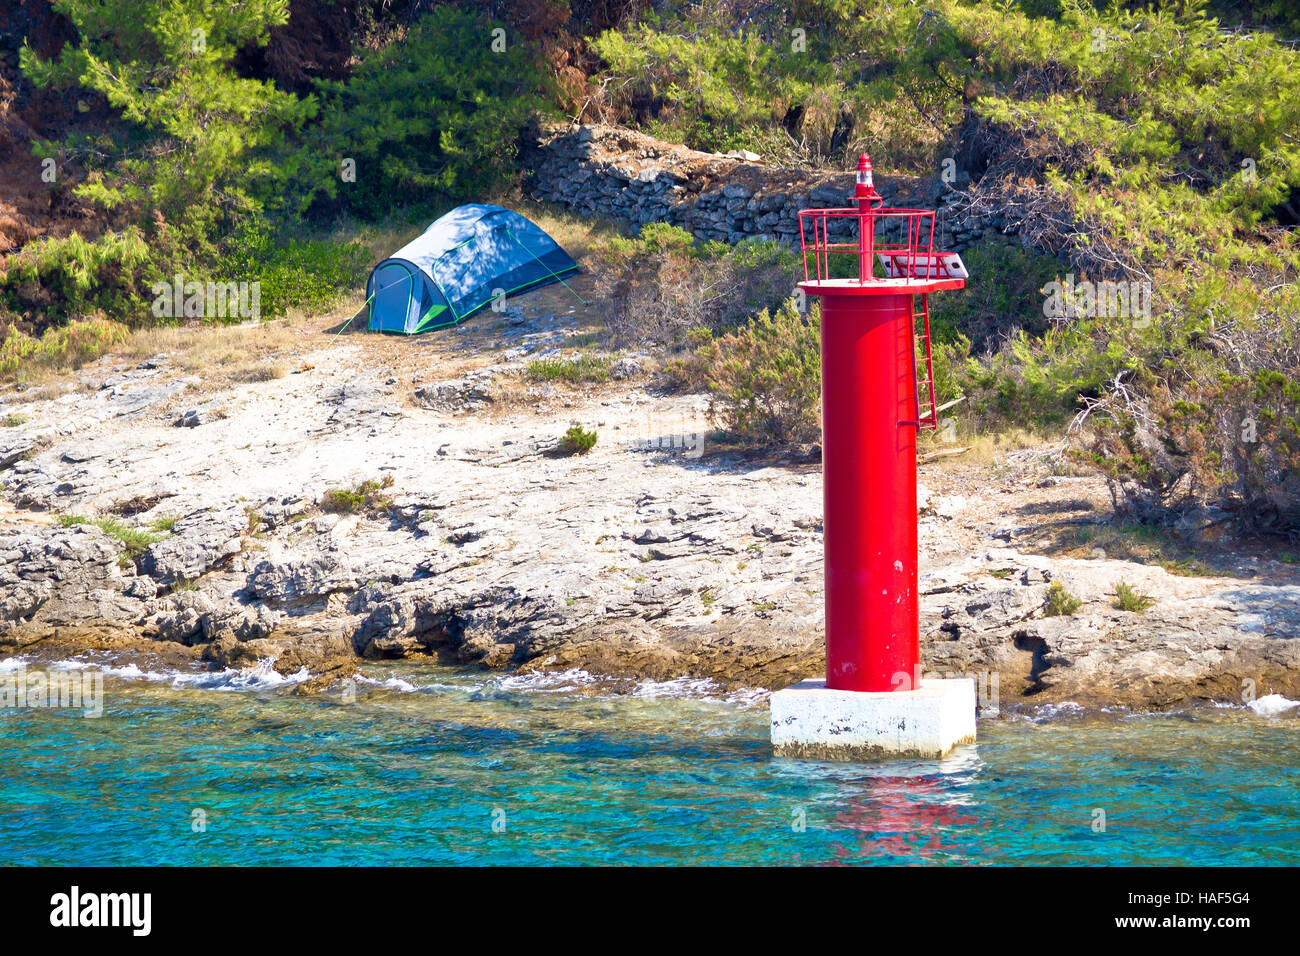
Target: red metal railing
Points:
(903, 236)
(903, 241)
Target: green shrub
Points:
(1127, 599)
(584, 368)
(1220, 427)
(367, 497)
(189, 155)
(1060, 602)
(164, 523)
(764, 379)
(183, 153)
(134, 541)
(1002, 296)
(302, 273)
(655, 237)
(576, 441)
(57, 280)
(1034, 381)
(342, 501)
(852, 80)
(70, 345)
(691, 373)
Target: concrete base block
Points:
(813, 722)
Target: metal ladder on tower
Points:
(924, 387)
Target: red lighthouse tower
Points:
(873, 270)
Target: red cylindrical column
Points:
(869, 418)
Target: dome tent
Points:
(454, 268)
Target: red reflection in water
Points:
(903, 819)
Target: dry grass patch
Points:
(228, 354)
(955, 446)
(204, 347)
(257, 372)
(1142, 543)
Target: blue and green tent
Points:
(458, 265)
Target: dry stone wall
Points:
(621, 174)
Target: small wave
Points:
(260, 676)
(393, 683)
(1272, 705)
(747, 697)
(127, 671)
(678, 687)
(436, 687)
(698, 688)
(131, 670)
(73, 664)
(549, 682)
(1048, 712)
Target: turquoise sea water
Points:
(445, 767)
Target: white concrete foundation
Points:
(810, 721)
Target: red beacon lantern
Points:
(877, 392)
(865, 189)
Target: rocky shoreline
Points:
(473, 542)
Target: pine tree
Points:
(165, 66)
(438, 114)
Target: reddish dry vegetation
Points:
(29, 207)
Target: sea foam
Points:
(1272, 705)
(260, 676)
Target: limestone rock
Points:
(181, 615)
(297, 580)
(194, 417)
(198, 543)
(629, 366)
(56, 576)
